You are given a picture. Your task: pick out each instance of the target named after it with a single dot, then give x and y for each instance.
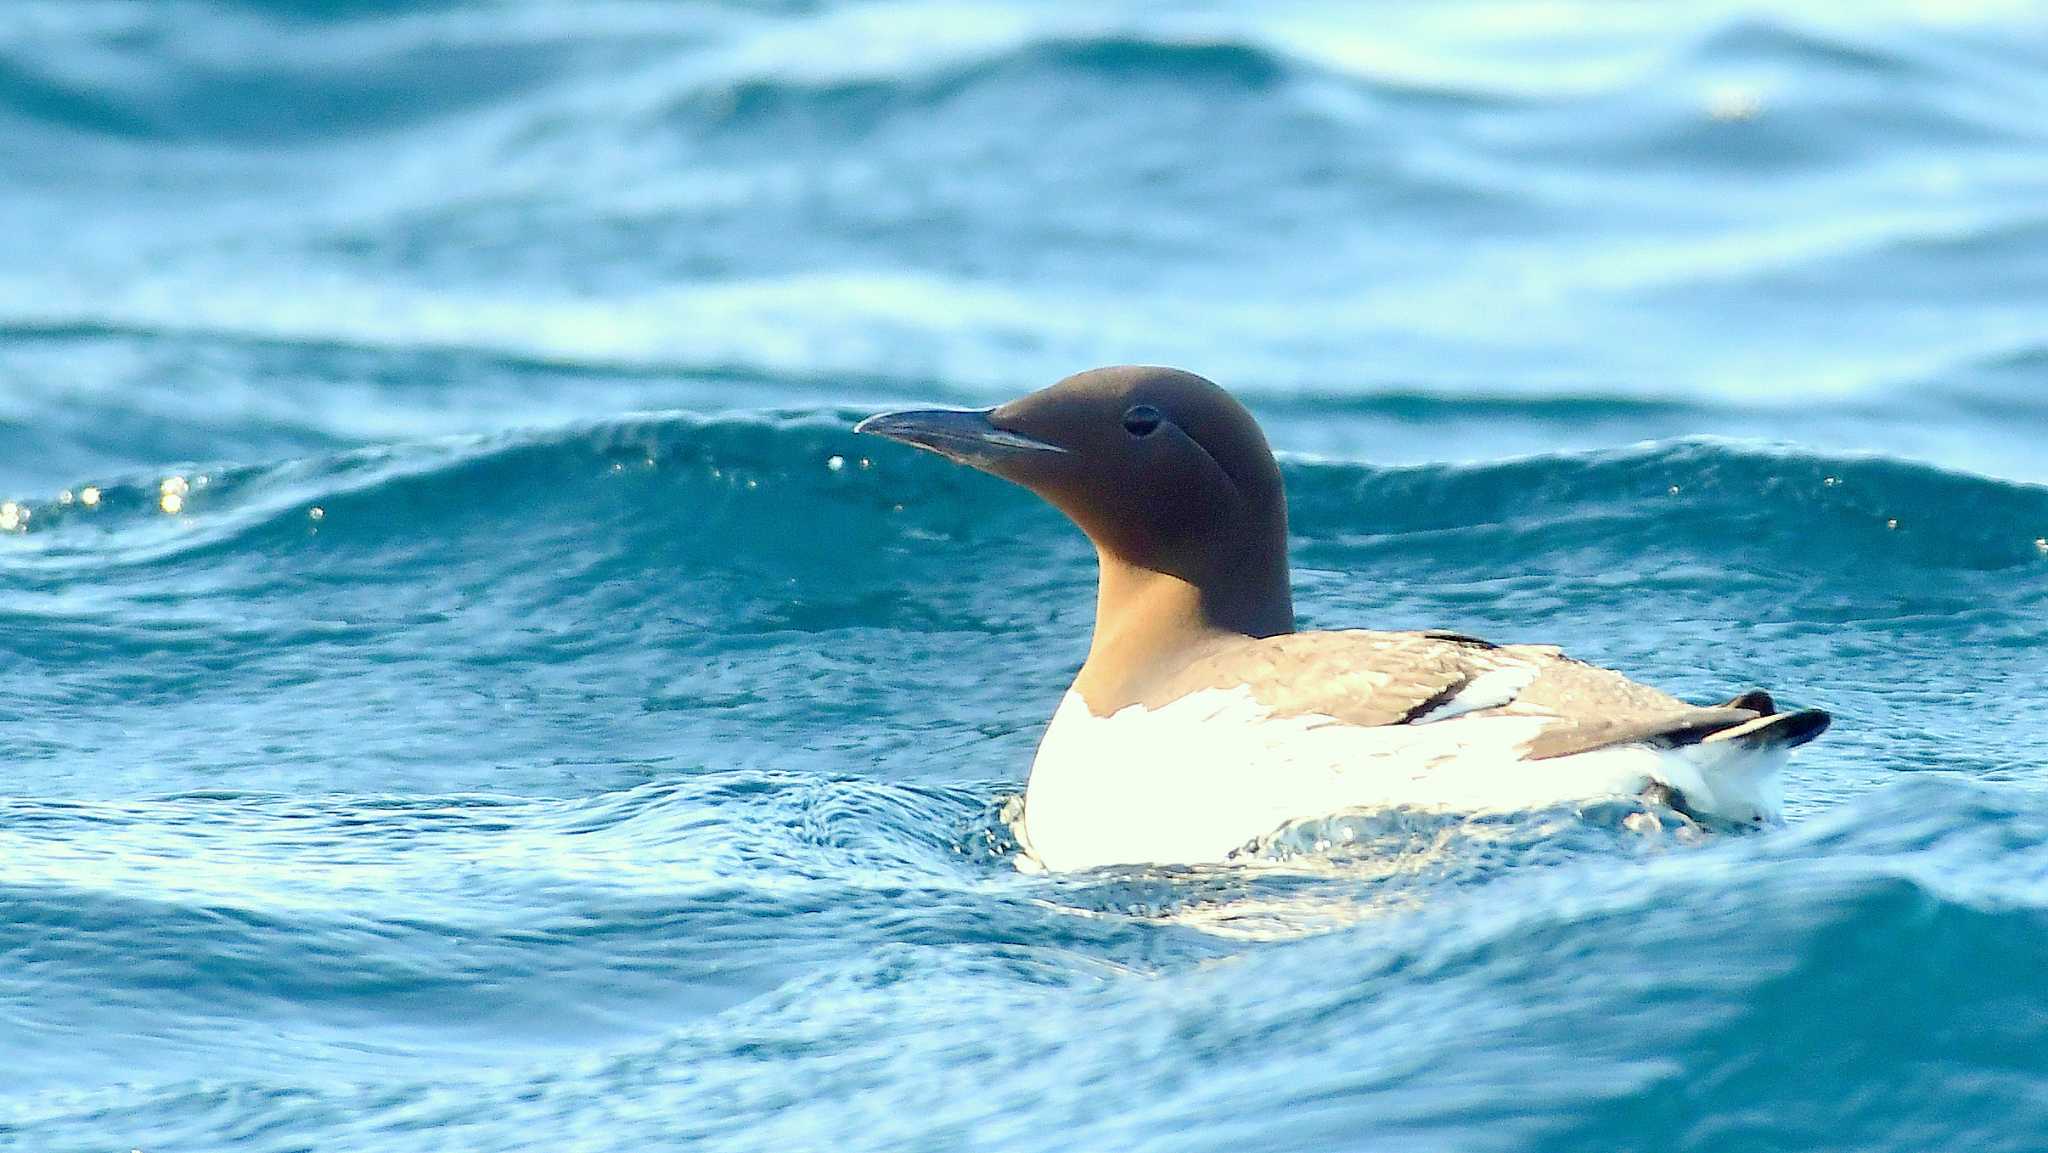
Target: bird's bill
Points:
(965, 436)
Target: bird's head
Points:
(1165, 472)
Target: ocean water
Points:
(464, 687)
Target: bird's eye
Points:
(1141, 419)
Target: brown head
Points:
(1172, 480)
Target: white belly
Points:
(1212, 772)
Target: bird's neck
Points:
(1150, 624)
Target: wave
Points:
(759, 103)
(350, 64)
(1698, 997)
(349, 56)
(350, 71)
(295, 86)
(1758, 42)
(651, 475)
(666, 487)
(1708, 496)
(508, 922)
(1268, 201)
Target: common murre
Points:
(1202, 720)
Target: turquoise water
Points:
(464, 687)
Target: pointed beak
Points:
(964, 436)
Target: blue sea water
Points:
(464, 687)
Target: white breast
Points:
(1215, 770)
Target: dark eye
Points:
(1141, 419)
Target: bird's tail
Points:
(1771, 729)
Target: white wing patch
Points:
(1489, 690)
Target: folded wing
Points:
(1413, 678)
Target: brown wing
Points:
(1360, 678)
(1375, 678)
(1596, 708)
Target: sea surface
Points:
(463, 686)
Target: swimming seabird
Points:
(1203, 721)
